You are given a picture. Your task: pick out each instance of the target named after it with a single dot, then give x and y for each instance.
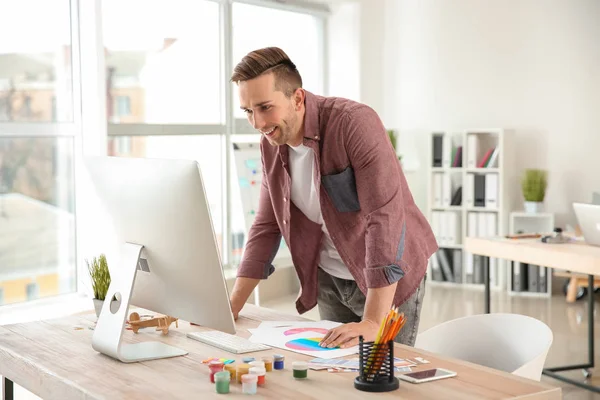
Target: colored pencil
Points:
(388, 330)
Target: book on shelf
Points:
(490, 156)
(457, 157)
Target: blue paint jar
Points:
(278, 361)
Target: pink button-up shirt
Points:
(380, 234)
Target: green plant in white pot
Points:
(392, 135)
(534, 185)
(100, 277)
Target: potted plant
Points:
(534, 185)
(392, 135)
(100, 276)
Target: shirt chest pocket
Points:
(341, 188)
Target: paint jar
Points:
(268, 360)
(278, 363)
(241, 370)
(248, 360)
(300, 369)
(249, 383)
(214, 366)
(258, 364)
(222, 382)
(231, 369)
(260, 372)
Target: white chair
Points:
(509, 342)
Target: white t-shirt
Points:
(305, 197)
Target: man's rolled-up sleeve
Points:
(378, 183)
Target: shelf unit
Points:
(487, 213)
(522, 222)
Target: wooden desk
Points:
(575, 256)
(56, 361)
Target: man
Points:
(334, 189)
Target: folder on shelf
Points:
(491, 231)
(437, 150)
(477, 269)
(533, 276)
(446, 190)
(479, 192)
(457, 266)
(472, 150)
(469, 190)
(491, 191)
(446, 150)
(454, 228)
(542, 283)
(435, 268)
(519, 277)
(437, 190)
(436, 226)
(482, 230)
(469, 268)
(445, 264)
(457, 197)
(472, 224)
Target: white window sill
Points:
(53, 307)
(69, 304)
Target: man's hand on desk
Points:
(347, 335)
(235, 308)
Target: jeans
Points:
(341, 300)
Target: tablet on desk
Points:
(427, 375)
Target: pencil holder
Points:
(376, 367)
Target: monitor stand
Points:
(107, 338)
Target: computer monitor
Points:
(169, 261)
(588, 217)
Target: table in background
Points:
(575, 256)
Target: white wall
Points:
(343, 34)
(529, 65)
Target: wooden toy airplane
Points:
(161, 323)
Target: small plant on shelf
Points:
(533, 185)
(392, 135)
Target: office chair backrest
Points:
(509, 342)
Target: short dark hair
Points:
(269, 59)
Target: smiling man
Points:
(334, 189)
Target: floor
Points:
(567, 321)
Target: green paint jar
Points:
(300, 369)
(222, 382)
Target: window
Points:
(206, 149)
(165, 60)
(37, 222)
(254, 27)
(35, 61)
(304, 49)
(38, 130)
(165, 82)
